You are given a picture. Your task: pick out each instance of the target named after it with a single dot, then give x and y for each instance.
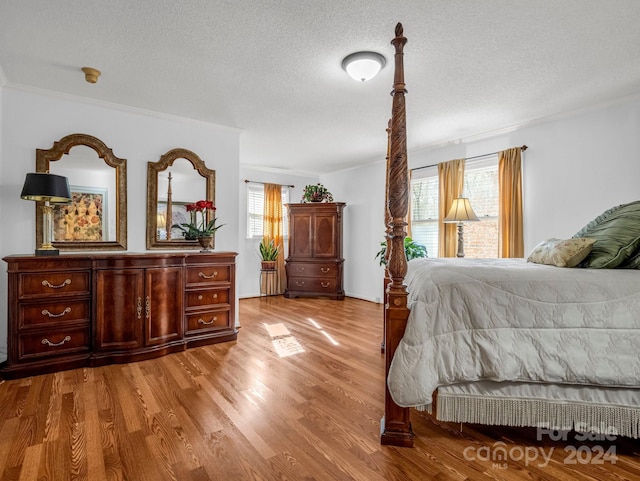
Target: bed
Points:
(504, 341)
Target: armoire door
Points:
(301, 235)
(324, 232)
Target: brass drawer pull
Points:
(48, 284)
(300, 269)
(67, 310)
(139, 308)
(200, 296)
(299, 283)
(206, 323)
(325, 269)
(204, 276)
(325, 284)
(47, 342)
(147, 307)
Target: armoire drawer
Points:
(311, 284)
(309, 269)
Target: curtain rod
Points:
(247, 181)
(524, 147)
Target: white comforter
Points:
(508, 320)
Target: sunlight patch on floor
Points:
(283, 342)
(287, 346)
(326, 334)
(277, 330)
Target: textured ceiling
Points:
(272, 67)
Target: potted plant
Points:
(411, 250)
(269, 252)
(200, 229)
(316, 193)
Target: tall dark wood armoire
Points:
(314, 264)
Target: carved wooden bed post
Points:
(387, 231)
(396, 425)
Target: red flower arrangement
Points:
(204, 227)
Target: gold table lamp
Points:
(460, 213)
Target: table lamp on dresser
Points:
(50, 189)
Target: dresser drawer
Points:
(310, 284)
(207, 297)
(51, 283)
(53, 342)
(32, 315)
(308, 269)
(208, 274)
(207, 321)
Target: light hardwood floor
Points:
(239, 411)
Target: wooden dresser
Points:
(78, 310)
(314, 265)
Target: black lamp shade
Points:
(43, 187)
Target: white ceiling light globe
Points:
(363, 66)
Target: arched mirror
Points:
(178, 179)
(96, 219)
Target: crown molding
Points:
(114, 106)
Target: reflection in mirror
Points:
(179, 178)
(96, 219)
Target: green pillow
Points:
(632, 262)
(617, 235)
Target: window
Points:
(255, 210)
(481, 187)
(424, 213)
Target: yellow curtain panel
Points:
(451, 181)
(510, 231)
(272, 227)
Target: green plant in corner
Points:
(268, 249)
(411, 250)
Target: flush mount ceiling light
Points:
(363, 66)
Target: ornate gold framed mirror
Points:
(96, 219)
(178, 179)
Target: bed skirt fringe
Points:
(550, 414)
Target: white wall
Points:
(32, 120)
(248, 266)
(363, 227)
(576, 167)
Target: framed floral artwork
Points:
(84, 219)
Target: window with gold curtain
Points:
(451, 183)
(272, 227)
(510, 217)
